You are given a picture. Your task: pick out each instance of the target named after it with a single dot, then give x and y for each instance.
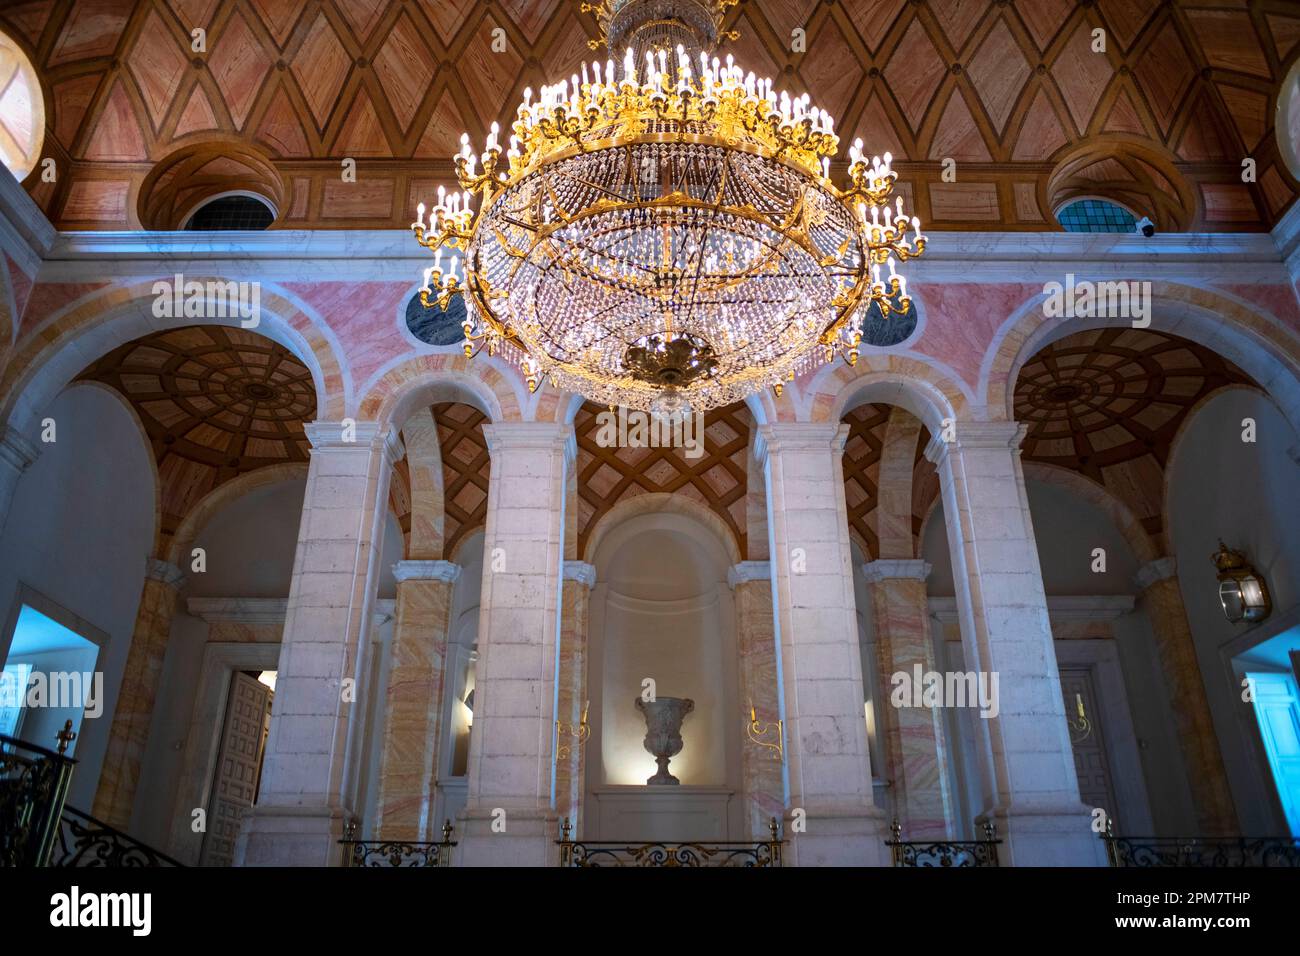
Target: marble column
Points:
(575, 619)
(509, 817)
(310, 771)
(413, 704)
(760, 766)
(827, 760)
(1030, 787)
(1162, 598)
(912, 737)
(16, 453)
(129, 732)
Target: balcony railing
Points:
(33, 787)
(1239, 851)
(714, 853)
(924, 853)
(395, 853)
(37, 828)
(85, 841)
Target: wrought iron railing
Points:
(389, 853)
(37, 828)
(1237, 851)
(922, 853)
(711, 853)
(33, 786)
(85, 841)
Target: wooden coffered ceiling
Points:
(1011, 91)
(716, 478)
(1107, 403)
(215, 403)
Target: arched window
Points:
(1095, 215)
(22, 111)
(234, 212)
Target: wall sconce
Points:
(562, 731)
(1082, 726)
(757, 731)
(1242, 591)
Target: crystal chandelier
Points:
(663, 232)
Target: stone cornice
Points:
(1091, 607)
(747, 571)
(894, 568)
(1158, 570)
(382, 255)
(444, 571)
(580, 571)
(247, 610)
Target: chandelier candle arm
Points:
(663, 232)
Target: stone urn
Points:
(663, 738)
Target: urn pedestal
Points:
(663, 739)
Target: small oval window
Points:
(1095, 215)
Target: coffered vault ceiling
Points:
(1010, 90)
(215, 403)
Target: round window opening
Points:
(435, 326)
(231, 214)
(22, 111)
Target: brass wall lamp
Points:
(1242, 590)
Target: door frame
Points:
(203, 736)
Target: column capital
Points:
(1007, 435)
(347, 434)
(15, 450)
(747, 571)
(582, 572)
(800, 436)
(165, 572)
(502, 436)
(1160, 569)
(891, 568)
(444, 571)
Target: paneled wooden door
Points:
(1088, 738)
(239, 763)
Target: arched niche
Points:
(662, 610)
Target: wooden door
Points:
(239, 763)
(1088, 738)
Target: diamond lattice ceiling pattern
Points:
(1011, 91)
(715, 478)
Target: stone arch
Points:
(1145, 548)
(53, 354)
(426, 379)
(177, 549)
(1257, 342)
(630, 508)
(912, 385)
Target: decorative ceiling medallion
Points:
(663, 233)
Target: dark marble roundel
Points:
(435, 326)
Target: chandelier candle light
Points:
(662, 232)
